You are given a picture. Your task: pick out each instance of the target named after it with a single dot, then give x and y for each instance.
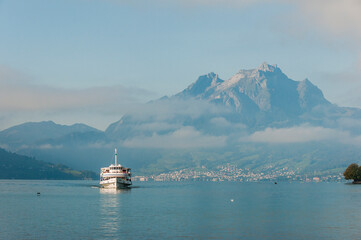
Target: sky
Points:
(91, 61)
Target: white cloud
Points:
(18, 93)
(49, 98)
(298, 134)
(21, 100)
(49, 146)
(157, 126)
(349, 123)
(356, 141)
(222, 122)
(185, 137)
(337, 17)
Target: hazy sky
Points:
(91, 61)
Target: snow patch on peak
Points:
(265, 67)
(202, 86)
(233, 81)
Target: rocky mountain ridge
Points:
(211, 113)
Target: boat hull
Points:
(115, 183)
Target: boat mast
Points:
(115, 157)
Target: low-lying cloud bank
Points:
(190, 138)
(21, 98)
(302, 134)
(185, 137)
(17, 94)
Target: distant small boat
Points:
(115, 176)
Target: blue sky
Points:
(104, 56)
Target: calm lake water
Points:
(193, 210)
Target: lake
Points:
(183, 210)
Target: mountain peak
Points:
(264, 89)
(306, 81)
(265, 67)
(211, 75)
(310, 95)
(203, 83)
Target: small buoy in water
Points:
(38, 193)
(275, 182)
(232, 200)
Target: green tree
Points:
(352, 172)
(358, 174)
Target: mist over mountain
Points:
(265, 96)
(250, 100)
(247, 120)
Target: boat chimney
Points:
(116, 164)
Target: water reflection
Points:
(110, 210)
(114, 191)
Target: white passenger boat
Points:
(115, 176)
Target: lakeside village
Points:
(231, 173)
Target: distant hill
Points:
(14, 166)
(31, 133)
